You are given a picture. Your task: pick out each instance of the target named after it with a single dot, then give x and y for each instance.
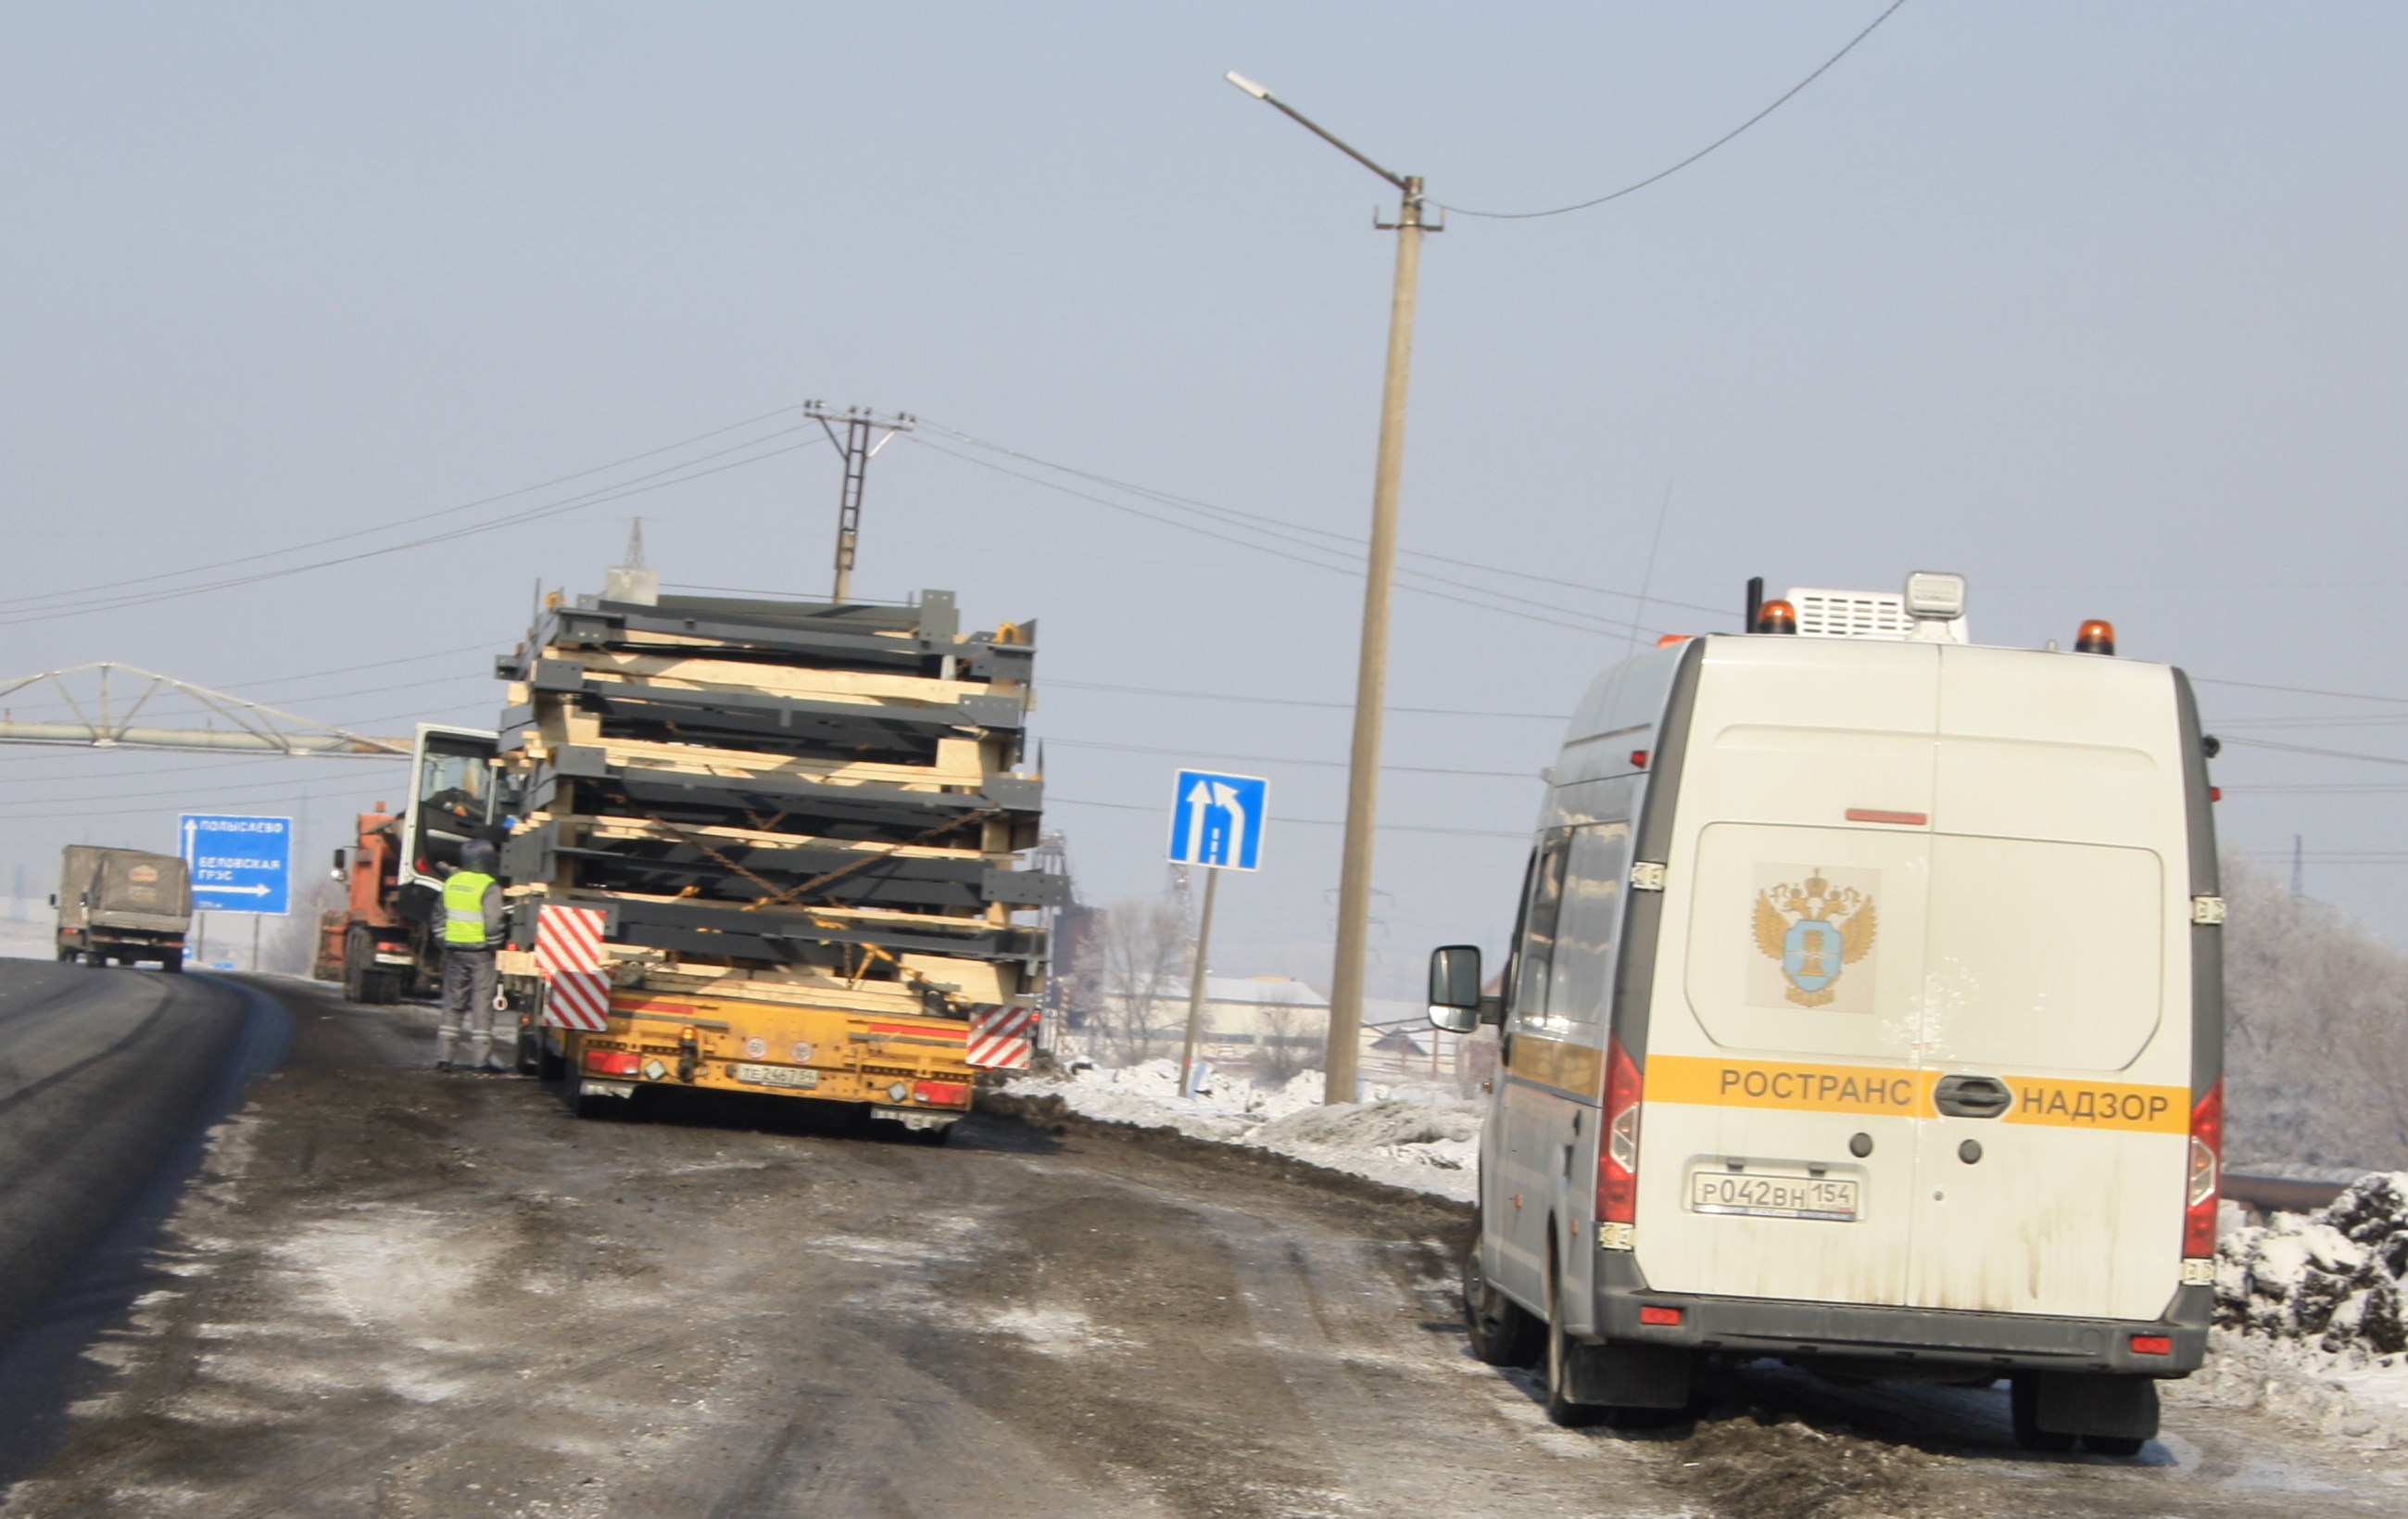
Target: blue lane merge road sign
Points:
(238, 864)
(1217, 821)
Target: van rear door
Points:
(2056, 1014)
(1781, 1073)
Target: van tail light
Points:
(612, 1062)
(1617, 1155)
(2152, 1344)
(2206, 1173)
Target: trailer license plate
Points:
(1774, 1197)
(777, 1075)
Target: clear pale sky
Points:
(2099, 305)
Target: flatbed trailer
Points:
(772, 846)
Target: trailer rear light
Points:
(2152, 1345)
(2206, 1160)
(612, 1062)
(2097, 636)
(943, 1093)
(1651, 1313)
(1617, 1159)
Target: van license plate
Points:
(1774, 1197)
(778, 1075)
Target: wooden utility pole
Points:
(1342, 1056)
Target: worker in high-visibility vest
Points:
(471, 925)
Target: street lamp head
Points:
(1246, 84)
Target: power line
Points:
(402, 522)
(1279, 760)
(600, 496)
(2329, 754)
(1354, 544)
(2333, 789)
(2299, 690)
(1295, 701)
(1667, 173)
(1617, 624)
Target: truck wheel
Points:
(173, 964)
(380, 988)
(2113, 1444)
(357, 954)
(2024, 1404)
(1502, 1332)
(1561, 1410)
(68, 957)
(572, 1096)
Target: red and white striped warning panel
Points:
(1002, 1038)
(568, 952)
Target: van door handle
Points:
(1972, 1096)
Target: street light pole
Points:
(1341, 1058)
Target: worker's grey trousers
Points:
(469, 1011)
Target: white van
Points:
(1865, 1010)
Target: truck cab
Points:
(382, 944)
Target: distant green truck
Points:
(122, 905)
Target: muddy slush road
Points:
(391, 1292)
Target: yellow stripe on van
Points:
(1574, 1070)
(1799, 1087)
(2099, 1104)
(1792, 1085)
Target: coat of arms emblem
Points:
(1814, 931)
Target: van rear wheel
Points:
(1561, 1410)
(1502, 1332)
(2023, 1403)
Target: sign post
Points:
(1216, 823)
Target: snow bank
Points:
(2332, 1277)
(2308, 1317)
(1421, 1137)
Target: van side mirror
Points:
(339, 872)
(1454, 988)
(54, 899)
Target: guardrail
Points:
(2263, 1195)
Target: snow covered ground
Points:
(1423, 1137)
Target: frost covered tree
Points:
(2317, 1048)
(1136, 961)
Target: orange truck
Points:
(381, 944)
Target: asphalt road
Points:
(109, 1081)
(392, 1293)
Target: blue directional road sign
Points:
(238, 864)
(1217, 821)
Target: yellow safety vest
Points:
(464, 908)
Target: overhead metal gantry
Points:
(107, 698)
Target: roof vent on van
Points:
(1932, 610)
